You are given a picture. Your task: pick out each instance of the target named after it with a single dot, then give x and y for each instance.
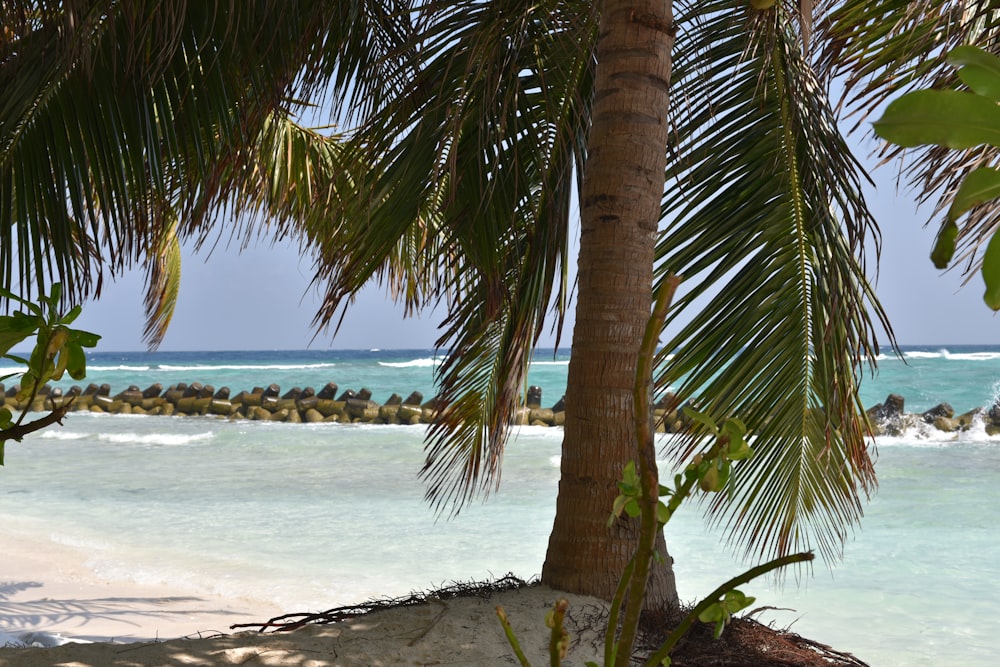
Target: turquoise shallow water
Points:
(315, 516)
(964, 376)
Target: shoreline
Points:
(47, 592)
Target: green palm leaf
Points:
(885, 48)
(766, 219)
(115, 115)
(164, 262)
(466, 200)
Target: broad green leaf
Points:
(662, 513)
(7, 294)
(15, 329)
(735, 600)
(629, 473)
(979, 70)
(980, 185)
(941, 117)
(710, 480)
(725, 468)
(617, 508)
(84, 338)
(71, 315)
(632, 508)
(53, 298)
(944, 244)
(734, 426)
(713, 613)
(701, 418)
(9, 339)
(628, 489)
(991, 272)
(76, 364)
(739, 450)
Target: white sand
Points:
(44, 588)
(461, 631)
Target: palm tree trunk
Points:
(622, 190)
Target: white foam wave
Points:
(919, 355)
(925, 435)
(50, 434)
(550, 363)
(119, 367)
(167, 439)
(972, 356)
(243, 367)
(944, 353)
(426, 362)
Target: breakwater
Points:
(329, 404)
(297, 405)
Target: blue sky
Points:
(261, 298)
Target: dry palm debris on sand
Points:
(745, 643)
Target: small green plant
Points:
(58, 350)
(639, 497)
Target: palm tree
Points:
(763, 213)
(471, 123)
(620, 210)
(766, 200)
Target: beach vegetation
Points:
(697, 139)
(58, 349)
(960, 120)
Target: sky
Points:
(261, 299)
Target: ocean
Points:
(313, 516)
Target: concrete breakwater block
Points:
(308, 405)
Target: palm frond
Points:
(765, 217)
(885, 48)
(116, 114)
(466, 200)
(164, 266)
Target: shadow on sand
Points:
(118, 617)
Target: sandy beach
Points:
(461, 631)
(47, 594)
(136, 626)
(46, 587)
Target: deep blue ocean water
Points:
(315, 516)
